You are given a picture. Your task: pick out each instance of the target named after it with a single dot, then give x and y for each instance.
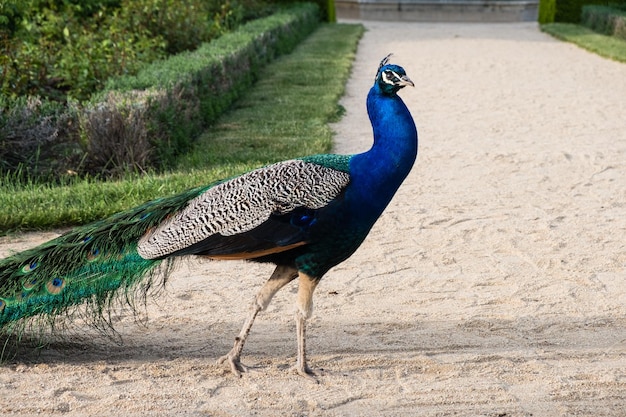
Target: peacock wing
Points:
(262, 211)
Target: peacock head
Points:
(391, 78)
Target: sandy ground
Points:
(494, 284)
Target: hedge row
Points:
(547, 10)
(606, 20)
(143, 122)
(58, 49)
(568, 11)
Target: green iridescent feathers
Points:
(333, 161)
(92, 264)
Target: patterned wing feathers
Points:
(238, 206)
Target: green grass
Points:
(606, 46)
(284, 115)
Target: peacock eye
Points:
(391, 77)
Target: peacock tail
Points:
(92, 264)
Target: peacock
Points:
(304, 215)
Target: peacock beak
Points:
(404, 81)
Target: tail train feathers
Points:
(91, 264)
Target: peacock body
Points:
(304, 215)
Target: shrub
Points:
(547, 10)
(606, 20)
(56, 51)
(570, 10)
(37, 137)
(59, 48)
(190, 90)
(116, 137)
(145, 121)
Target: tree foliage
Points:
(68, 48)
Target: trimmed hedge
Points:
(36, 136)
(189, 91)
(605, 20)
(143, 122)
(547, 10)
(68, 48)
(570, 10)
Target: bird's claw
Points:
(306, 372)
(236, 366)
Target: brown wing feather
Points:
(256, 254)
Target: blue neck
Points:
(378, 173)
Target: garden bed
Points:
(144, 122)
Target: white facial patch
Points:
(391, 80)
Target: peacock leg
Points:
(306, 287)
(281, 276)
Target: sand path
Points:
(494, 284)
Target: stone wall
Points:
(439, 11)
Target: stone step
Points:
(439, 11)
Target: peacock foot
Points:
(306, 372)
(234, 361)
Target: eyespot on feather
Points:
(3, 304)
(55, 285)
(21, 296)
(93, 255)
(30, 284)
(30, 267)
